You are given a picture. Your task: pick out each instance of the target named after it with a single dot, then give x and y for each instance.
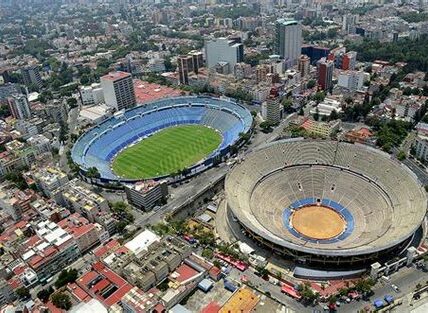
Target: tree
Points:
(44, 294)
(401, 155)
(311, 84)
(266, 127)
(65, 277)
(333, 115)
(72, 102)
(301, 112)
(93, 172)
(319, 96)
(287, 103)
(61, 301)
(316, 114)
(23, 293)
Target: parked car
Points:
(395, 287)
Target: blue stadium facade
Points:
(98, 146)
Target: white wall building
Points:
(223, 50)
(351, 80)
(326, 107)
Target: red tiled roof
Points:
(146, 92)
(185, 272)
(212, 307)
(84, 280)
(78, 292)
(116, 296)
(101, 285)
(108, 247)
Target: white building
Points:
(91, 94)
(351, 80)
(223, 50)
(118, 90)
(40, 143)
(289, 40)
(326, 107)
(421, 147)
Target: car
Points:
(395, 287)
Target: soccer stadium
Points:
(162, 138)
(328, 204)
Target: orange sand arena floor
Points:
(318, 222)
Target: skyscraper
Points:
(19, 106)
(223, 50)
(118, 90)
(198, 60)
(325, 73)
(304, 65)
(185, 65)
(31, 76)
(288, 40)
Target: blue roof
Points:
(378, 303)
(389, 298)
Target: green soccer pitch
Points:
(166, 152)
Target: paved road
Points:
(73, 114)
(420, 173)
(406, 279)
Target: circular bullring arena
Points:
(326, 202)
(162, 138)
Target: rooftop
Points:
(146, 92)
(115, 76)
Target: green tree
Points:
(401, 155)
(311, 84)
(93, 172)
(319, 97)
(72, 102)
(61, 301)
(23, 293)
(287, 103)
(65, 277)
(266, 126)
(44, 294)
(316, 115)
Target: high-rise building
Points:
(288, 40)
(315, 53)
(185, 65)
(19, 106)
(325, 73)
(223, 50)
(198, 60)
(31, 76)
(304, 65)
(349, 60)
(118, 90)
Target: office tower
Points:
(185, 65)
(31, 76)
(349, 60)
(288, 40)
(325, 73)
(118, 90)
(19, 106)
(223, 50)
(198, 60)
(304, 65)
